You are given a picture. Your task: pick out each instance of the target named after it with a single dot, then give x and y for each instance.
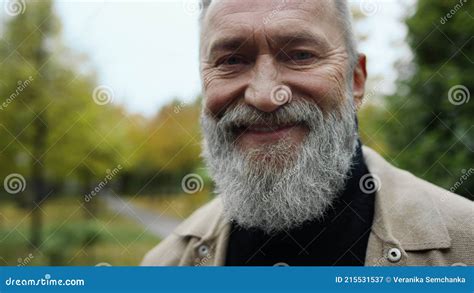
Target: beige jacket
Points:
(415, 223)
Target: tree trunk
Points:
(38, 180)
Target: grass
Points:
(71, 236)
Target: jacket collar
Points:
(405, 213)
(206, 223)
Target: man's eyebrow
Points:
(281, 41)
(230, 43)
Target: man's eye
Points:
(301, 56)
(231, 60)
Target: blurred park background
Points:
(100, 158)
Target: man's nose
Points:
(264, 91)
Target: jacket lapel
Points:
(405, 218)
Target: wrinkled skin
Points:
(249, 47)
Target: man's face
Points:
(279, 117)
(251, 48)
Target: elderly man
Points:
(282, 81)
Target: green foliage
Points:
(68, 239)
(49, 117)
(71, 239)
(167, 147)
(432, 132)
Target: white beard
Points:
(288, 184)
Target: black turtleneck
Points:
(340, 239)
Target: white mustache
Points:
(294, 183)
(245, 116)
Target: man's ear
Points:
(359, 78)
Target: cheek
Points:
(325, 86)
(220, 92)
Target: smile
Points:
(260, 133)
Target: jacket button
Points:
(203, 250)
(394, 254)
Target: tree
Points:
(52, 129)
(431, 133)
(166, 148)
(28, 60)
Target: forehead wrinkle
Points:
(218, 9)
(284, 39)
(229, 42)
(218, 12)
(226, 18)
(274, 39)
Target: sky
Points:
(147, 51)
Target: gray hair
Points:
(280, 186)
(344, 17)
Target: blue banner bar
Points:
(237, 279)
